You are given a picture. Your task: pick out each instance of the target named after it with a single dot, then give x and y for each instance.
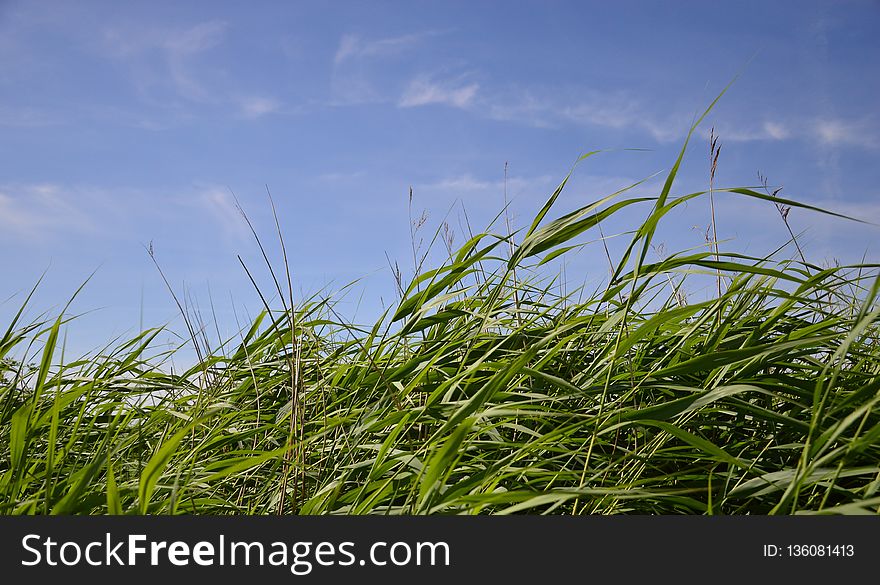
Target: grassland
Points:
(484, 390)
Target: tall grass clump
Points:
(483, 391)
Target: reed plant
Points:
(484, 390)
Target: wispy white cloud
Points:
(181, 48)
(255, 107)
(36, 211)
(776, 131)
(357, 67)
(424, 90)
(348, 47)
(178, 49)
(836, 132)
(768, 131)
(589, 185)
(617, 110)
(611, 109)
(621, 110)
(26, 117)
(468, 184)
(43, 212)
(352, 89)
(340, 177)
(827, 132)
(199, 38)
(172, 59)
(527, 109)
(129, 41)
(353, 46)
(222, 208)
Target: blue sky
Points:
(128, 123)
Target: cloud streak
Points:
(424, 91)
(829, 132)
(359, 63)
(768, 131)
(256, 107)
(41, 212)
(35, 211)
(127, 42)
(221, 206)
(469, 183)
(611, 109)
(836, 132)
(177, 49)
(353, 47)
(26, 117)
(169, 59)
(197, 39)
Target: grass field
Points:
(484, 390)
